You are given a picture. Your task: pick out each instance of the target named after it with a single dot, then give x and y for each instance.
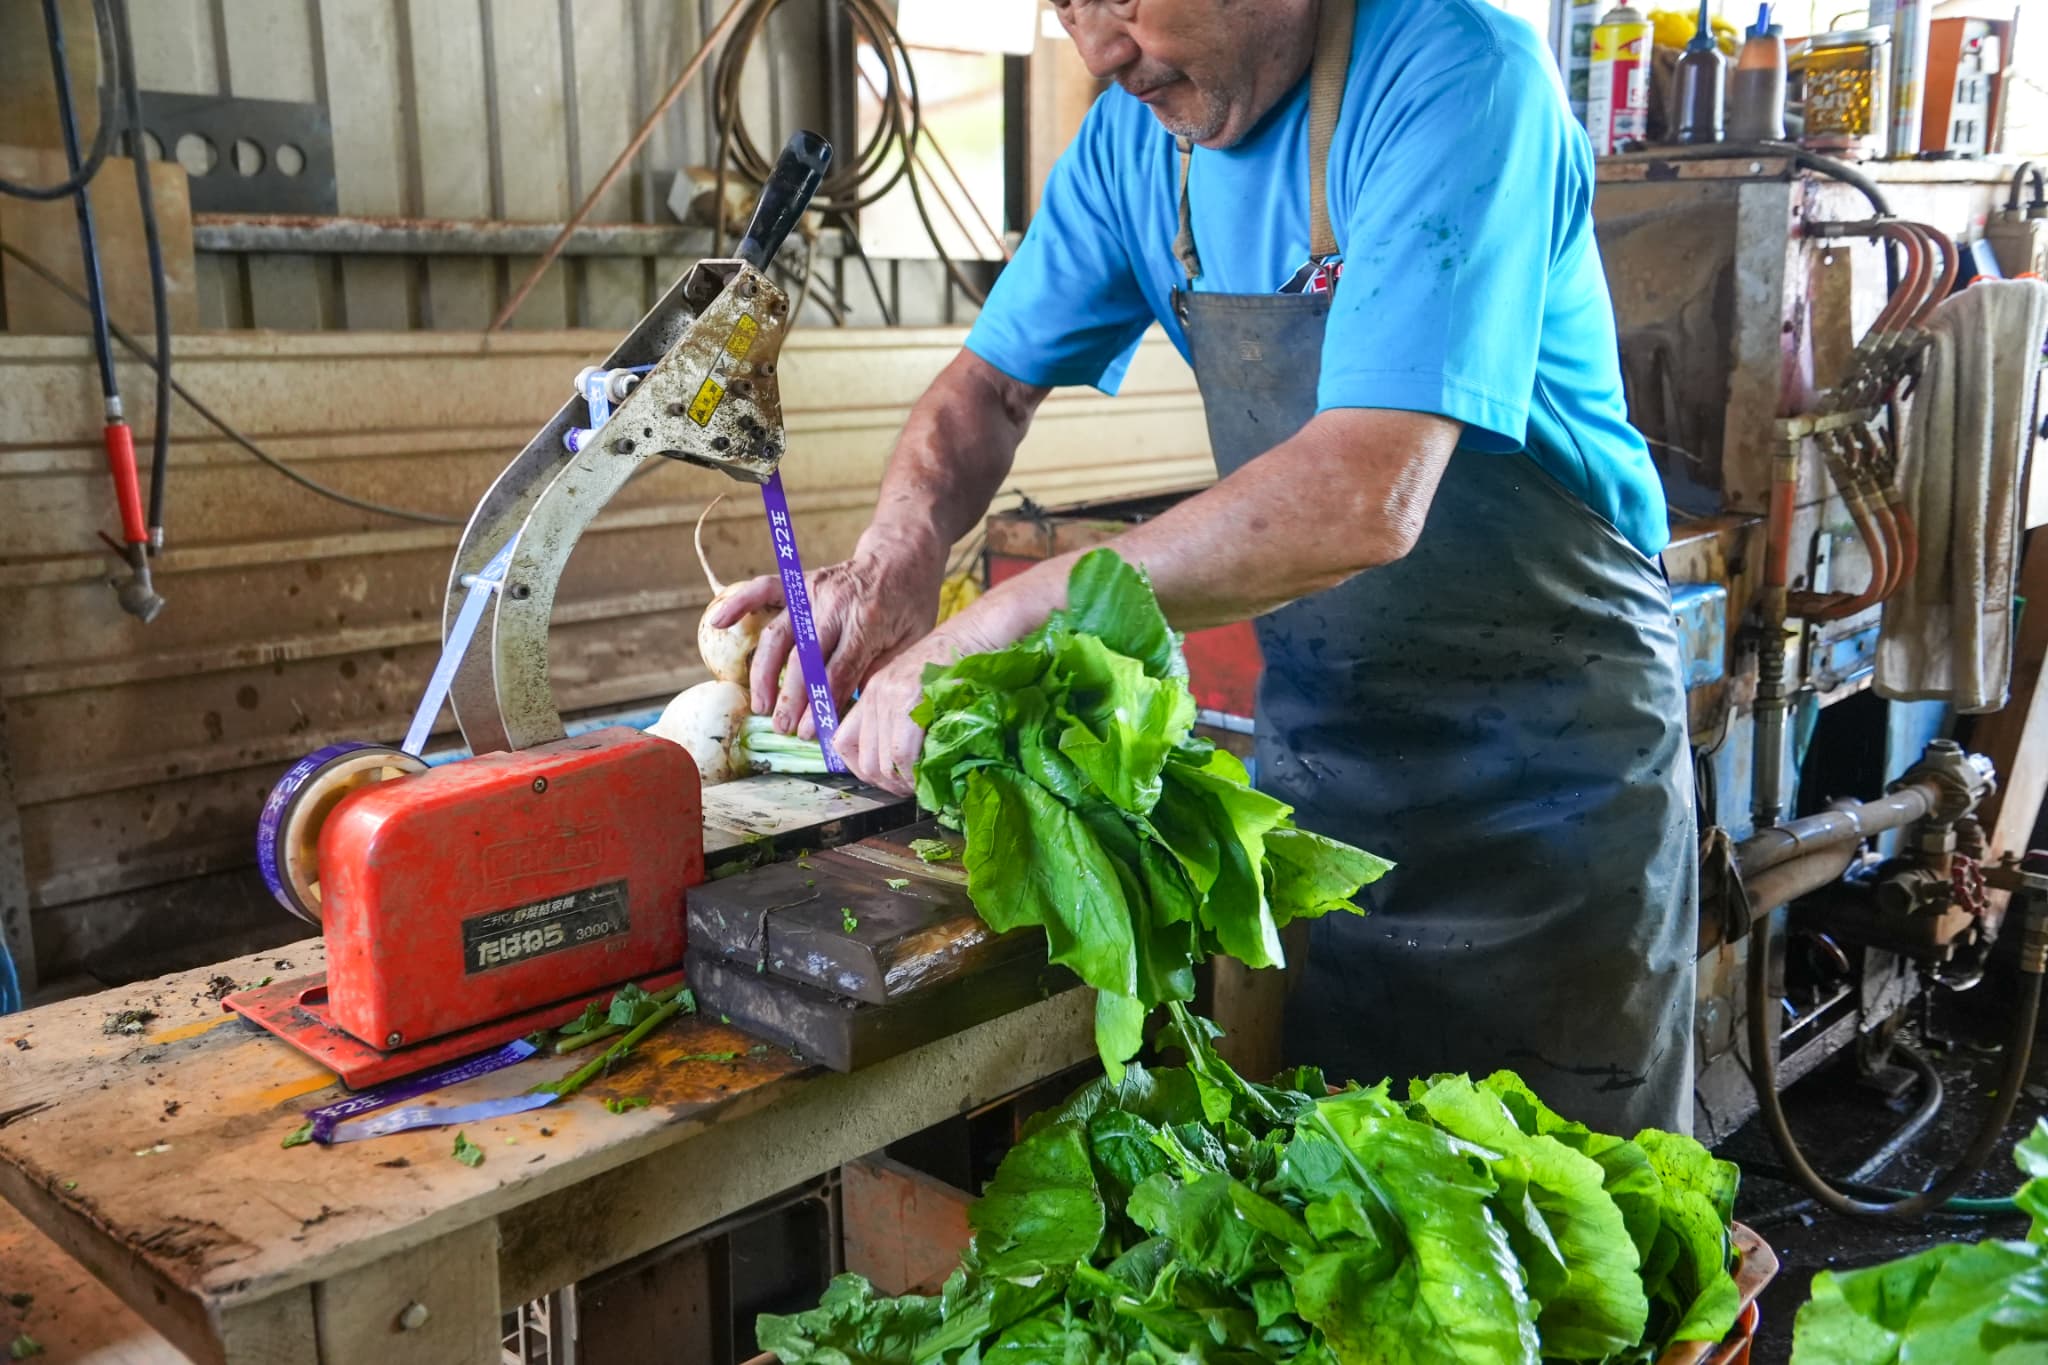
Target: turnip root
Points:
(712, 722)
(729, 651)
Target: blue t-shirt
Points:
(1460, 190)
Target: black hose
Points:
(1763, 1066)
(1812, 161)
(1931, 1097)
(88, 243)
(103, 136)
(159, 303)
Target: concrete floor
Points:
(1840, 1122)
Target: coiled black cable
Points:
(887, 157)
(103, 136)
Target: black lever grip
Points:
(785, 197)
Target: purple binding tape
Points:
(432, 1116)
(810, 656)
(327, 1116)
(278, 804)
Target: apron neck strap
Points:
(1328, 70)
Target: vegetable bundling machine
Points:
(469, 903)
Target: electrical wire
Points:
(225, 427)
(103, 135)
(159, 302)
(868, 268)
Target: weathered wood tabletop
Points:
(153, 1156)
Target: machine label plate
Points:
(503, 937)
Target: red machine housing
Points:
(501, 883)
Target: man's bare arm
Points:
(950, 460)
(1345, 494)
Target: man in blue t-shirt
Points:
(1367, 224)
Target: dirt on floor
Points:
(1840, 1122)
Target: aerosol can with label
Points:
(1618, 91)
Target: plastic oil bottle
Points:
(1702, 86)
(1756, 110)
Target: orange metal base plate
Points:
(296, 1011)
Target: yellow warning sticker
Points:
(706, 402)
(742, 338)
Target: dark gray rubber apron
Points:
(1501, 713)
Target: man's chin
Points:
(1186, 114)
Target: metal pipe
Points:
(370, 235)
(1849, 823)
(1773, 705)
(1801, 876)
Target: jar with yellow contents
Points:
(1844, 82)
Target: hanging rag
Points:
(1947, 632)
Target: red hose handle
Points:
(127, 488)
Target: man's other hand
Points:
(867, 608)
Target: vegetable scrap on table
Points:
(467, 1152)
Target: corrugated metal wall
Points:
(496, 109)
(141, 753)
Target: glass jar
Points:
(1846, 75)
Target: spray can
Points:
(1618, 92)
(1912, 28)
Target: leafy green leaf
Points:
(299, 1136)
(24, 1347)
(1956, 1304)
(1113, 601)
(1457, 1296)
(852, 1325)
(897, 883)
(467, 1152)
(1030, 860)
(2031, 1156)
(625, 1103)
(630, 1005)
(1567, 1231)
(593, 1015)
(932, 850)
(1042, 1211)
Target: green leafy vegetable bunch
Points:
(1184, 1215)
(1091, 811)
(1960, 1303)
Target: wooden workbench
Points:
(154, 1159)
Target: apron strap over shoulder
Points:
(1327, 73)
(1325, 101)
(1184, 240)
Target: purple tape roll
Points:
(810, 655)
(277, 806)
(327, 1116)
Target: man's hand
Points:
(878, 741)
(867, 608)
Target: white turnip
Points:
(713, 723)
(727, 651)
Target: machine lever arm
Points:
(785, 197)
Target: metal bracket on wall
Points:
(260, 156)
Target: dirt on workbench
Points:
(1839, 1122)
